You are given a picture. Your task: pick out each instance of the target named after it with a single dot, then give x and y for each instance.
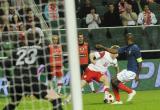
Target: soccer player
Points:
(133, 68)
(25, 60)
(84, 52)
(100, 61)
(56, 62)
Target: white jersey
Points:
(103, 61)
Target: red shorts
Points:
(57, 71)
(90, 75)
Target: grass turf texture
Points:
(144, 100)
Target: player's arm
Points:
(89, 51)
(95, 56)
(113, 51)
(116, 66)
(139, 60)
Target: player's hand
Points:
(99, 46)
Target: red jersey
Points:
(55, 55)
(83, 51)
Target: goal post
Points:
(72, 43)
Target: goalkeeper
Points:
(25, 60)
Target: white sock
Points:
(60, 83)
(91, 86)
(82, 89)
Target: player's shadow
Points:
(98, 103)
(95, 103)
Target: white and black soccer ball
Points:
(109, 99)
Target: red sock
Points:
(106, 90)
(124, 88)
(116, 93)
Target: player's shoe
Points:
(94, 91)
(117, 102)
(66, 102)
(61, 95)
(68, 99)
(131, 95)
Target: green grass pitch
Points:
(144, 100)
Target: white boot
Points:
(131, 95)
(117, 102)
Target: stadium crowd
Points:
(113, 13)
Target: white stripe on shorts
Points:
(125, 75)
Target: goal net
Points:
(24, 23)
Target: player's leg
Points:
(59, 84)
(87, 77)
(91, 85)
(59, 76)
(49, 81)
(83, 68)
(41, 92)
(115, 89)
(125, 76)
(83, 83)
(106, 83)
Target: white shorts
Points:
(125, 75)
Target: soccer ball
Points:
(109, 98)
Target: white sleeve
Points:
(40, 32)
(98, 19)
(115, 63)
(154, 20)
(89, 19)
(97, 55)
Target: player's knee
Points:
(115, 81)
(103, 79)
(83, 83)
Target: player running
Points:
(25, 60)
(133, 68)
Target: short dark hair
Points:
(80, 33)
(129, 34)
